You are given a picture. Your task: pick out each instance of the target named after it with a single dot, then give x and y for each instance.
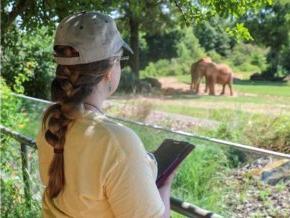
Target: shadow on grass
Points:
(261, 83)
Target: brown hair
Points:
(71, 85)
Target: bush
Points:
(200, 180)
(12, 196)
(248, 58)
(27, 63)
(130, 83)
(10, 108)
(244, 59)
(188, 51)
(216, 57)
(188, 48)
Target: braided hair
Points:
(71, 85)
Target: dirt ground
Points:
(170, 85)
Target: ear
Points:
(108, 76)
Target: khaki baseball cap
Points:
(93, 34)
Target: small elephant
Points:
(218, 73)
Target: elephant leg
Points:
(197, 88)
(207, 83)
(192, 84)
(211, 87)
(231, 89)
(223, 91)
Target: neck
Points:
(92, 107)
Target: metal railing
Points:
(239, 146)
(177, 205)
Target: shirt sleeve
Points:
(131, 189)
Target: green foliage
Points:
(162, 67)
(13, 203)
(248, 57)
(27, 64)
(206, 9)
(12, 195)
(244, 59)
(188, 46)
(10, 108)
(203, 187)
(271, 27)
(240, 32)
(212, 36)
(273, 134)
(160, 46)
(33, 14)
(285, 54)
(188, 51)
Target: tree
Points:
(271, 28)
(148, 16)
(31, 14)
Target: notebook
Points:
(168, 156)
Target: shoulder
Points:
(121, 137)
(125, 138)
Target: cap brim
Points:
(127, 47)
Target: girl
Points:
(90, 165)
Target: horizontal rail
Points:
(177, 205)
(248, 148)
(209, 139)
(18, 137)
(190, 210)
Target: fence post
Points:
(25, 174)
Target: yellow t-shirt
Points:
(107, 172)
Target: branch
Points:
(183, 15)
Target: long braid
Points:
(69, 88)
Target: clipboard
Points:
(169, 155)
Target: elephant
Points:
(197, 71)
(218, 73)
(214, 73)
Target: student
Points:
(90, 165)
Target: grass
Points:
(213, 114)
(268, 128)
(258, 115)
(199, 179)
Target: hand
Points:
(169, 180)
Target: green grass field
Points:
(258, 115)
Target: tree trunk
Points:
(134, 43)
